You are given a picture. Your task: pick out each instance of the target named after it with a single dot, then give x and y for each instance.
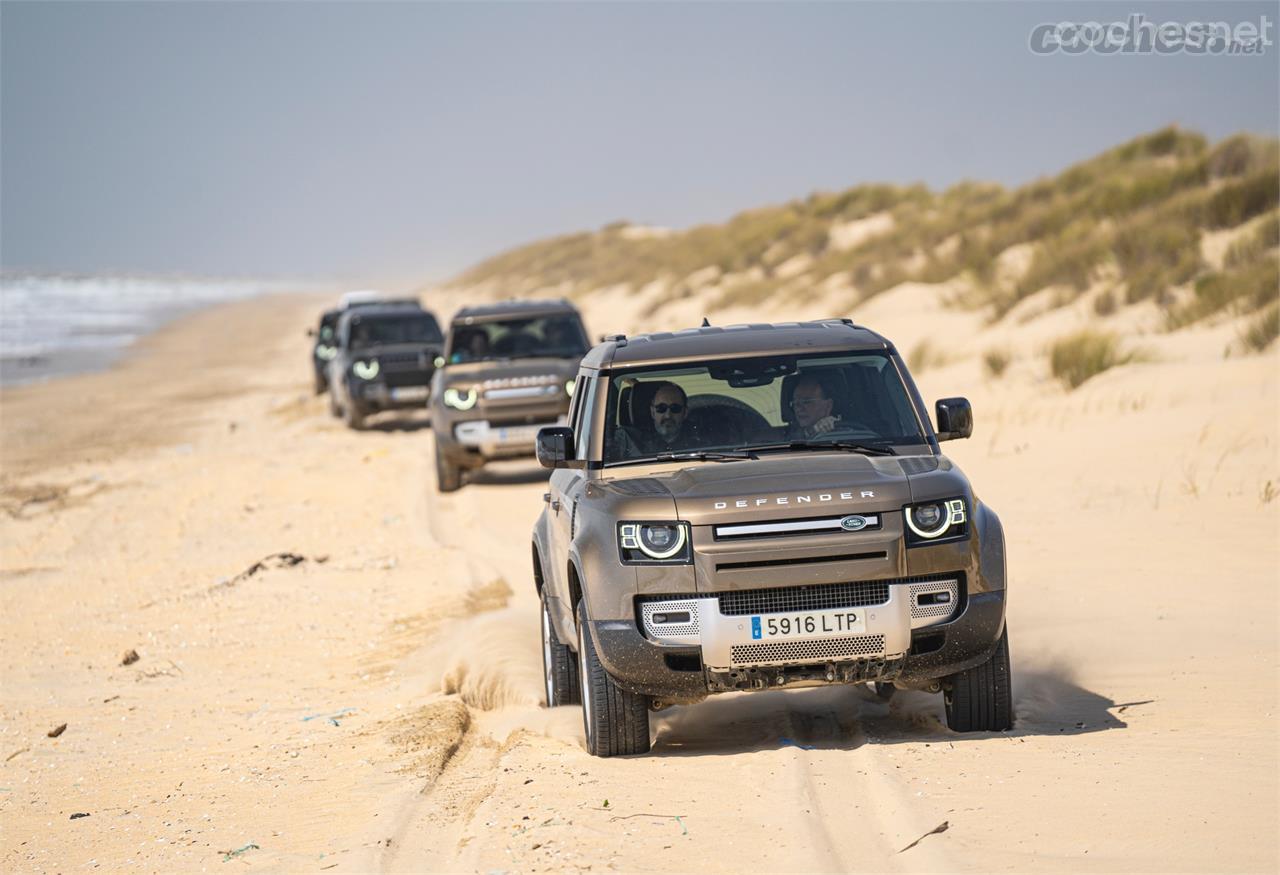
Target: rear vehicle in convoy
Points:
(508, 371)
(384, 356)
(324, 348)
(762, 507)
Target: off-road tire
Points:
(615, 721)
(559, 665)
(335, 409)
(448, 475)
(321, 384)
(353, 416)
(980, 699)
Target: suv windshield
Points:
(409, 328)
(559, 336)
(764, 404)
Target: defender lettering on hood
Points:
(820, 498)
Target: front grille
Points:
(402, 361)
(398, 379)
(807, 651)
(807, 560)
(803, 598)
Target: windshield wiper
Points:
(847, 446)
(705, 456)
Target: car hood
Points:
(495, 373)
(796, 486)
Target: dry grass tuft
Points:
(1085, 354)
(1262, 330)
(996, 361)
(925, 356)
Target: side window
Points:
(586, 409)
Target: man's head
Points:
(810, 401)
(668, 409)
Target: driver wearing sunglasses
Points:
(669, 408)
(668, 412)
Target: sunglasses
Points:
(663, 408)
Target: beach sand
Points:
(368, 701)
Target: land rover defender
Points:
(762, 507)
(508, 370)
(383, 358)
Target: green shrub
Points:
(1242, 200)
(1262, 330)
(1245, 290)
(1241, 154)
(1085, 354)
(1252, 247)
(996, 361)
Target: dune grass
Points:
(1079, 357)
(996, 361)
(1262, 330)
(1133, 215)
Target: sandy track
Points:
(1144, 563)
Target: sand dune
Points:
(374, 705)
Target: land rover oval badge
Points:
(853, 523)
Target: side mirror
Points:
(555, 448)
(955, 418)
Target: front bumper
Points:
(722, 646)
(376, 394)
(500, 441)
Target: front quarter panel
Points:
(609, 586)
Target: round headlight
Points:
(568, 387)
(460, 399)
(927, 516)
(365, 370)
(325, 353)
(661, 542)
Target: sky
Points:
(407, 141)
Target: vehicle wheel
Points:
(321, 384)
(448, 475)
(616, 721)
(559, 665)
(354, 416)
(335, 409)
(979, 699)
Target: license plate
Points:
(518, 433)
(808, 624)
(409, 393)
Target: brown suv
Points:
(507, 371)
(760, 507)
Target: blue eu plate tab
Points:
(755, 628)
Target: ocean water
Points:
(52, 326)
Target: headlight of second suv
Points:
(654, 543)
(460, 399)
